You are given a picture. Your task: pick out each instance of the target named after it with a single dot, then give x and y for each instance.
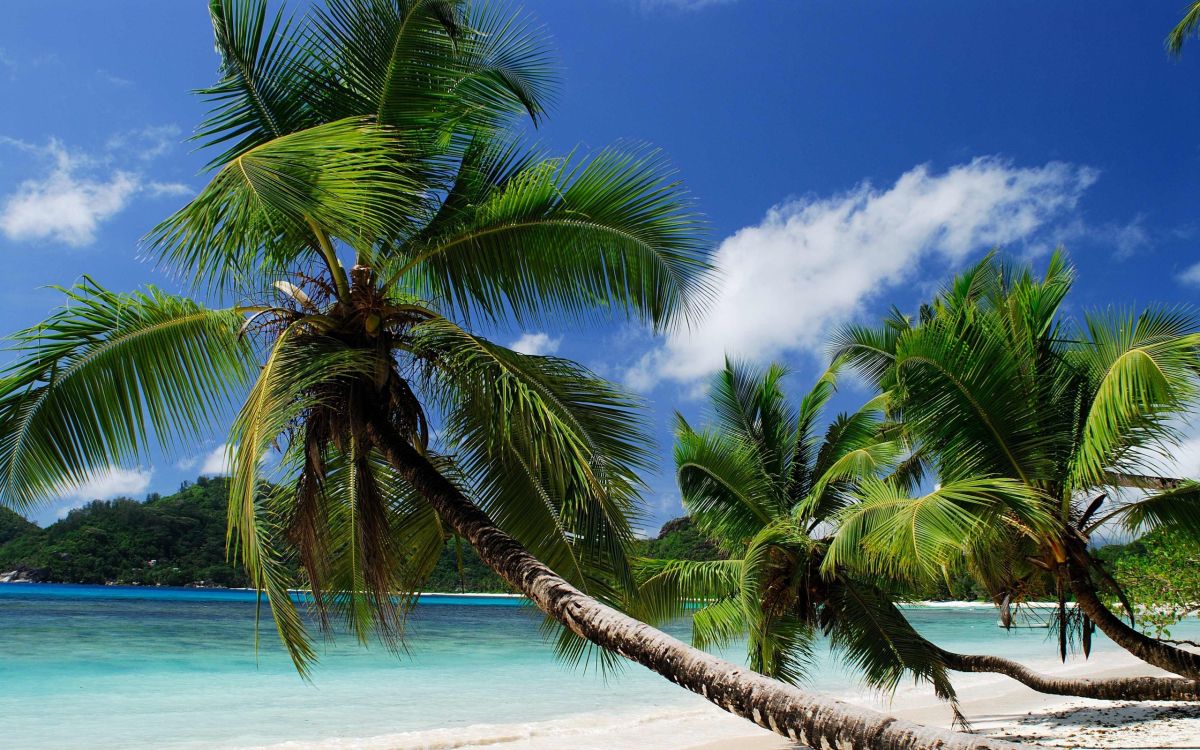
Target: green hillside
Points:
(179, 540)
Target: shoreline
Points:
(999, 707)
(924, 604)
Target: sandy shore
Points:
(999, 707)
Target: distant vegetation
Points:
(179, 540)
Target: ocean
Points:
(113, 668)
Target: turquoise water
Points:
(119, 668)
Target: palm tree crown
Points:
(765, 482)
(995, 381)
(372, 135)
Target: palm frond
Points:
(1186, 27)
(1177, 510)
(287, 388)
(105, 375)
(875, 638)
(871, 350)
(749, 404)
(668, 589)
(915, 538)
(553, 452)
(1142, 373)
(430, 67)
(723, 488)
(806, 438)
(614, 234)
(276, 205)
(965, 391)
(260, 95)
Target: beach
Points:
(1000, 707)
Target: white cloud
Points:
(113, 482)
(146, 143)
(1191, 275)
(1181, 458)
(536, 343)
(64, 206)
(79, 193)
(813, 262)
(216, 462)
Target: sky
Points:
(848, 156)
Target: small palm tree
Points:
(994, 381)
(764, 482)
(376, 132)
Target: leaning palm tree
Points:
(763, 482)
(373, 135)
(995, 381)
(768, 485)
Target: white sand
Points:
(999, 707)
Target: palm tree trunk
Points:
(1150, 650)
(816, 721)
(1116, 688)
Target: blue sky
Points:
(848, 155)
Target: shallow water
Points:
(130, 669)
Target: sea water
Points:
(113, 668)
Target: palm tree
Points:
(768, 485)
(373, 422)
(994, 381)
(763, 482)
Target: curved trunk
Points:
(1150, 650)
(813, 720)
(1113, 689)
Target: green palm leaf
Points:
(1186, 27)
(277, 206)
(614, 233)
(260, 95)
(880, 643)
(894, 534)
(105, 375)
(1177, 510)
(289, 385)
(722, 485)
(1143, 371)
(433, 66)
(552, 451)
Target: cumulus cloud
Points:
(77, 193)
(216, 462)
(536, 343)
(813, 262)
(1191, 275)
(113, 482)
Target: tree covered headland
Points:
(179, 540)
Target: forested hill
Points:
(179, 540)
(172, 541)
